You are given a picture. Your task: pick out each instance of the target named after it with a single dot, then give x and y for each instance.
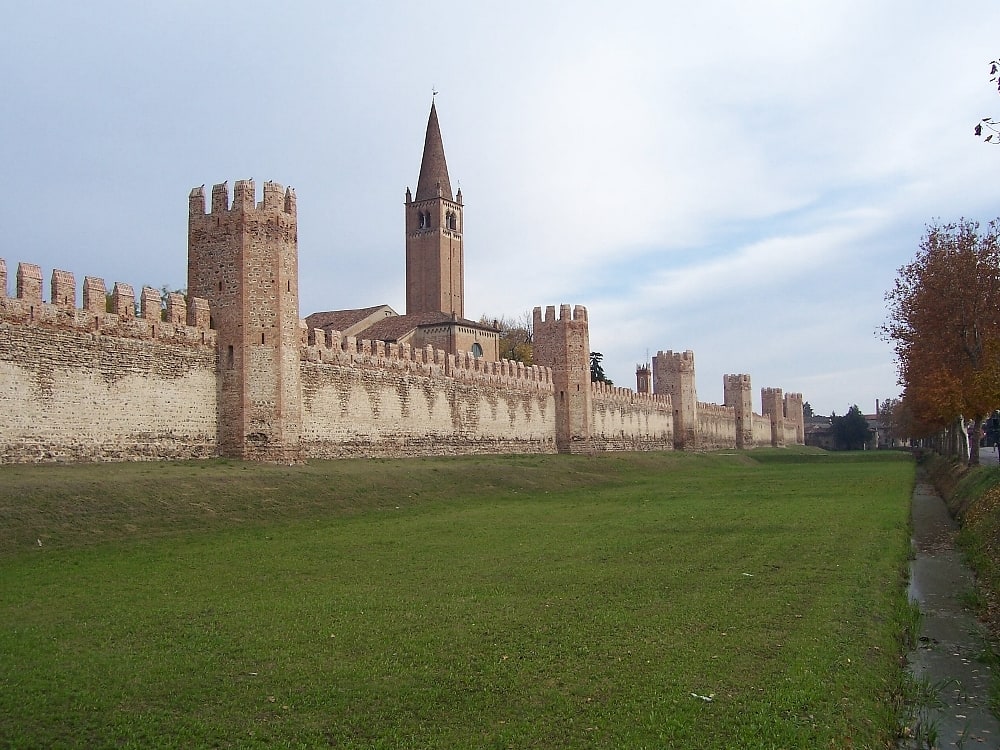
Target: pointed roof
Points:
(433, 167)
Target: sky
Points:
(738, 179)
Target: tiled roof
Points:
(394, 328)
(339, 320)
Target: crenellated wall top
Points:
(604, 393)
(171, 319)
(717, 410)
(567, 313)
(335, 348)
(276, 199)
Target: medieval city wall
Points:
(88, 385)
(369, 398)
(623, 420)
(761, 430)
(716, 426)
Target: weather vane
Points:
(433, 92)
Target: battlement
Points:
(771, 401)
(335, 348)
(612, 394)
(187, 326)
(676, 361)
(717, 410)
(276, 199)
(579, 314)
(736, 381)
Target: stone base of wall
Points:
(602, 443)
(152, 448)
(387, 447)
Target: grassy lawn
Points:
(629, 601)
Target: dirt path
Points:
(950, 640)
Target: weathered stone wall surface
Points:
(363, 398)
(243, 258)
(716, 426)
(761, 430)
(623, 420)
(673, 374)
(84, 385)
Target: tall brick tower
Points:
(564, 345)
(772, 405)
(244, 260)
(795, 417)
(738, 394)
(435, 265)
(673, 373)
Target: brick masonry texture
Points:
(72, 394)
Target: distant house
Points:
(819, 432)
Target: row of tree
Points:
(944, 322)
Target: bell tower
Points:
(435, 265)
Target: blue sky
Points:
(738, 179)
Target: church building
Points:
(435, 273)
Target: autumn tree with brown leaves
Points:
(944, 321)
(515, 336)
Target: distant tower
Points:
(643, 379)
(564, 345)
(673, 373)
(772, 405)
(794, 416)
(435, 265)
(738, 395)
(244, 260)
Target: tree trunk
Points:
(977, 436)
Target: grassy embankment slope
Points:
(657, 600)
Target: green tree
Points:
(850, 432)
(807, 410)
(596, 370)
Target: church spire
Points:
(433, 181)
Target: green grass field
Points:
(619, 601)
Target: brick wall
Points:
(623, 420)
(372, 399)
(86, 385)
